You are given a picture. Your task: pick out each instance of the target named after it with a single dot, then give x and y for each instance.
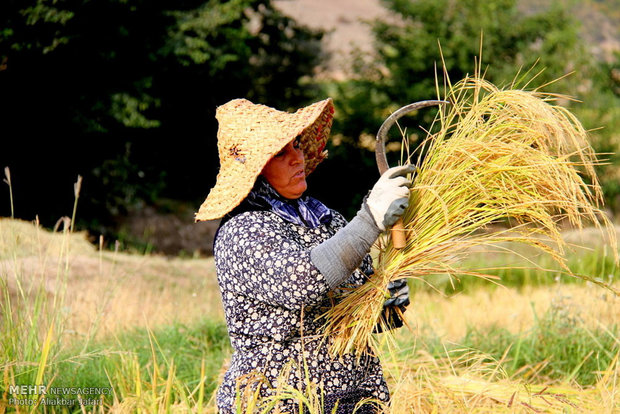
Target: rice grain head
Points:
(500, 156)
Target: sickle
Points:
(399, 239)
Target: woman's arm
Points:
(256, 259)
(339, 256)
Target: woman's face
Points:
(285, 171)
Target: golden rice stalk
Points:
(499, 156)
(473, 382)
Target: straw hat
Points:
(249, 135)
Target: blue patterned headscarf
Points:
(304, 211)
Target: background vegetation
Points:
(124, 92)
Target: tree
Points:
(124, 93)
(425, 36)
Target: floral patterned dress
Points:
(273, 300)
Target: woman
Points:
(282, 257)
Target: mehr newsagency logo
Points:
(32, 395)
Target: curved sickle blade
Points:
(387, 124)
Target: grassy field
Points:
(147, 333)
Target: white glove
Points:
(389, 197)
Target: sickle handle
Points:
(399, 238)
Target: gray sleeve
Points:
(337, 257)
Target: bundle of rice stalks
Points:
(500, 156)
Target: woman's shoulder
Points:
(251, 228)
(251, 219)
(268, 223)
(338, 219)
(251, 224)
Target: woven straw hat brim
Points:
(249, 135)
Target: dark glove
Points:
(394, 307)
(399, 293)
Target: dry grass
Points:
(500, 156)
(132, 286)
(105, 292)
(448, 317)
(471, 384)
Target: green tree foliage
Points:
(95, 87)
(425, 36)
(600, 111)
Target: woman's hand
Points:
(337, 257)
(399, 293)
(389, 197)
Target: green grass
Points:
(558, 348)
(555, 350)
(188, 346)
(514, 271)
